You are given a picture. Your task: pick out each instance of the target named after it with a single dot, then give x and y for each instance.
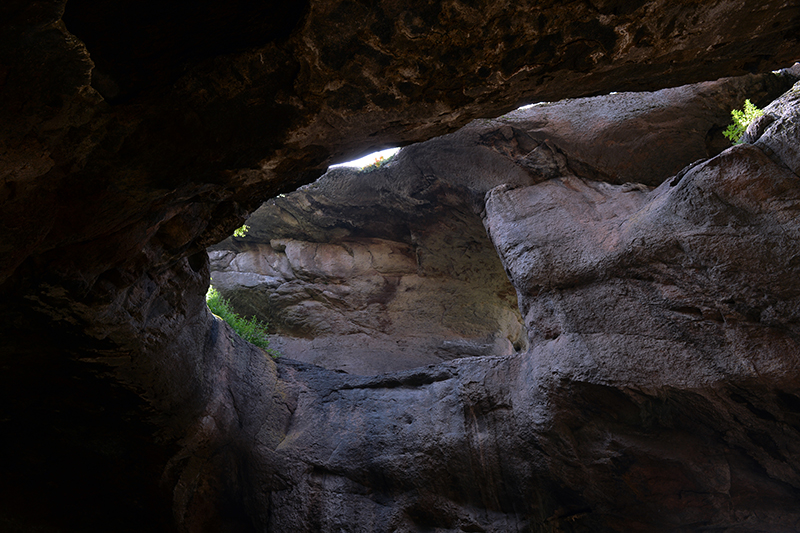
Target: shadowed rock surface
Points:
(136, 135)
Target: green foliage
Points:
(241, 232)
(379, 162)
(741, 119)
(250, 329)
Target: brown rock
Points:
(134, 136)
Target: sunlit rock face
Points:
(136, 135)
(389, 267)
(659, 391)
(375, 270)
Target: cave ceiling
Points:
(122, 117)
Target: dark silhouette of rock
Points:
(137, 134)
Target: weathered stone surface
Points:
(641, 137)
(134, 137)
(370, 272)
(389, 268)
(660, 392)
(622, 250)
(160, 140)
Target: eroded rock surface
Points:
(660, 391)
(389, 268)
(128, 127)
(370, 272)
(135, 134)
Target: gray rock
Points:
(390, 269)
(370, 272)
(660, 391)
(134, 138)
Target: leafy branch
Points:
(741, 120)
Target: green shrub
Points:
(250, 329)
(741, 119)
(241, 232)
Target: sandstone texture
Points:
(659, 391)
(389, 268)
(137, 134)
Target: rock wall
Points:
(659, 393)
(124, 129)
(137, 134)
(390, 268)
(373, 271)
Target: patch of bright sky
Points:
(368, 159)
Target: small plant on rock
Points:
(250, 329)
(241, 232)
(741, 119)
(379, 162)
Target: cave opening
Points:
(374, 267)
(373, 158)
(384, 263)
